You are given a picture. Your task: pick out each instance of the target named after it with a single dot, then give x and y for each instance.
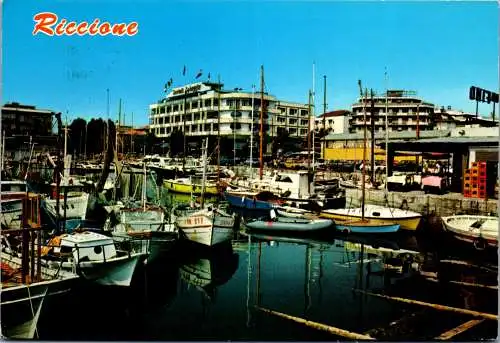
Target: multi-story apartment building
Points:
(195, 110)
(25, 126)
(405, 111)
(18, 119)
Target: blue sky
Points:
(438, 49)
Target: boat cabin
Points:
(90, 246)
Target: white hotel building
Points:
(405, 111)
(198, 105)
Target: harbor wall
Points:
(426, 204)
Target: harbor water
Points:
(226, 293)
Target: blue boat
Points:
(366, 226)
(252, 200)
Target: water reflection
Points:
(207, 269)
(345, 265)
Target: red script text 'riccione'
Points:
(47, 23)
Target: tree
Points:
(96, 131)
(76, 136)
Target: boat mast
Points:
(386, 136)
(118, 126)
(205, 149)
(143, 198)
(312, 115)
(309, 134)
(218, 133)
(324, 117)
(251, 133)
(363, 98)
(261, 121)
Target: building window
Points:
(194, 104)
(293, 111)
(304, 113)
(207, 102)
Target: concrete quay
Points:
(426, 204)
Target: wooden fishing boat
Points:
(366, 226)
(208, 225)
(408, 220)
(186, 186)
(481, 231)
(94, 257)
(290, 224)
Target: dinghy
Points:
(366, 226)
(481, 231)
(289, 224)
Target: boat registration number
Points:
(195, 221)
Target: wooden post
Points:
(434, 306)
(459, 329)
(319, 326)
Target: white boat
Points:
(76, 199)
(76, 206)
(407, 220)
(95, 257)
(21, 303)
(143, 230)
(13, 193)
(293, 212)
(208, 226)
(481, 231)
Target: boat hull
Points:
(290, 225)
(173, 186)
(76, 207)
(248, 203)
(209, 236)
(461, 226)
(409, 223)
(20, 305)
(364, 227)
(116, 271)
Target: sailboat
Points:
(356, 221)
(207, 225)
(76, 203)
(143, 227)
(408, 220)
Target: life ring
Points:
(479, 243)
